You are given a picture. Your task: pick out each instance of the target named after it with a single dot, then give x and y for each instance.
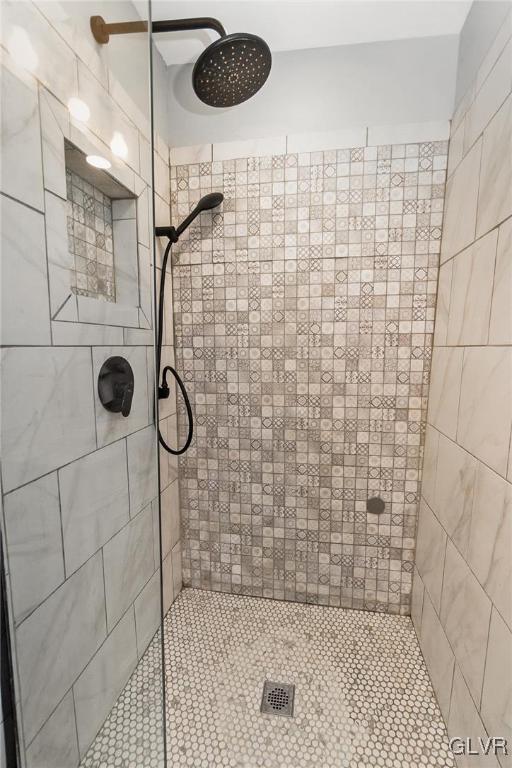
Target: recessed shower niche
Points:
(97, 228)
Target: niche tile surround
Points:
(304, 314)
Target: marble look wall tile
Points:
(170, 505)
(106, 118)
(146, 285)
(54, 127)
(112, 426)
(128, 564)
(320, 141)
(60, 260)
(471, 294)
(126, 261)
(142, 468)
(56, 642)
(485, 412)
(461, 204)
(456, 147)
(138, 337)
(465, 614)
(106, 312)
(417, 595)
(491, 537)
(465, 721)
(22, 175)
(177, 579)
(438, 655)
(230, 150)
(34, 543)
(98, 687)
(500, 328)
(495, 194)
(162, 180)
(168, 582)
(56, 743)
(48, 411)
(453, 500)
(445, 389)
(198, 153)
(444, 288)
(496, 708)
(430, 551)
(490, 97)
(67, 334)
(147, 612)
(428, 480)
(54, 62)
(25, 313)
(94, 502)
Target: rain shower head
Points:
(228, 72)
(231, 70)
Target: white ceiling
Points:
(297, 24)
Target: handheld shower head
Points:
(206, 203)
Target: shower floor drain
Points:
(277, 699)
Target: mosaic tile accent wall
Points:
(90, 239)
(304, 314)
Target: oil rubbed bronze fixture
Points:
(228, 72)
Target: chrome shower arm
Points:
(101, 30)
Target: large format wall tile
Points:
(500, 328)
(438, 655)
(22, 176)
(56, 642)
(465, 721)
(495, 194)
(170, 505)
(461, 204)
(485, 411)
(444, 389)
(129, 563)
(147, 612)
(142, 468)
(25, 317)
(497, 689)
(48, 411)
(453, 500)
(491, 537)
(34, 543)
(465, 613)
(94, 502)
(56, 743)
(471, 295)
(50, 58)
(430, 550)
(490, 97)
(96, 690)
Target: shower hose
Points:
(163, 389)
